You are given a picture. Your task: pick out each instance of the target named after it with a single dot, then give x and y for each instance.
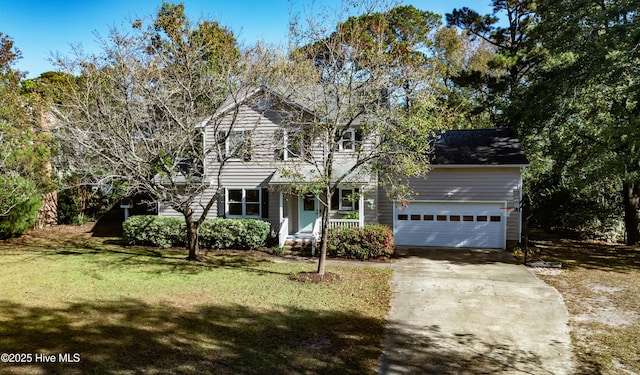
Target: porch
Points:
(300, 219)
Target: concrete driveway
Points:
(465, 311)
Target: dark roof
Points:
(478, 147)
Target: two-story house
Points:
(266, 155)
(263, 154)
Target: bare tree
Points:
(135, 114)
(350, 78)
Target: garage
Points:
(451, 224)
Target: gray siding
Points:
(255, 173)
(465, 184)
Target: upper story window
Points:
(292, 144)
(193, 163)
(237, 144)
(349, 141)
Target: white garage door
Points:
(451, 224)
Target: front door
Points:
(307, 212)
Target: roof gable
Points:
(259, 95)
(478, 147)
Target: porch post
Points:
(281, 208)
(282, 231)
(361, 208)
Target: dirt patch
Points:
(315, 278)
(600, 284)
(57, 235)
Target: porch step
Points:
(297, 244)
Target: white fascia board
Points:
(457, 201)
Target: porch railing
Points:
(344, 223)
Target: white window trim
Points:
(352, 139)
(244, 204)
(353, 201)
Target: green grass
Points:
(129, 310)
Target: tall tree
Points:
(135, 115)
(585, 100)
(24, 149)
(456, 57)
(515, 54)
(363, 81)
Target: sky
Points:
(42, 28)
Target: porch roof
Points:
(307, 174)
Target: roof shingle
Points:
(478, 147)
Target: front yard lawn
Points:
(600, 284)
(127, 310)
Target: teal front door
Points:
(307, 212)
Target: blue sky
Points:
(42, 27)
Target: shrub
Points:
(256, 233)
(213, 233)
(155, 231)
(20, 219)
(372, 241)
(242, 234)
(19, 204)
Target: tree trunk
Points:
(192, 235)
(631, 197)
(324, 235)
(48, 213)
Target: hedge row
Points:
(213, 233)
(372, 241)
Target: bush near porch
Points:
(370, 242)
(218, 233)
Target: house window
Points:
(244, 203)
(292, 144)
(237, 144)
(347, 200)
(193, 165)
(298, 145)
(348, 141)
(280, 144)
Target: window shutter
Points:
(358, 139)
(335, 200)
(221, 208)
(265, 203)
